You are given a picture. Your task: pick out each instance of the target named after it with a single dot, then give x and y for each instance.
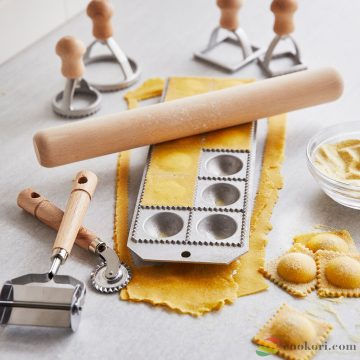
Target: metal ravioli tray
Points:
(216, 229)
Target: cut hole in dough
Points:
(338, 274)
(289, 330)
(294, 271)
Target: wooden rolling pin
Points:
(185, 117)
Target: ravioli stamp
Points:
(337, 240)
(294, 271)
(293, 334)
(338, 274)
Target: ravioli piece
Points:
(294, 271)
(337, 240)
(338, 274)
(289, 330)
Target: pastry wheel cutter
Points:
(110, 275)
(49, 299)
(236, 37)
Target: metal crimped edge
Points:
(110, 289)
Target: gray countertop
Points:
(162, 35)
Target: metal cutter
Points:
(284, 25)
(237, 37)
(49, 299)
(71, 50)
(100, 13)
(110, 275)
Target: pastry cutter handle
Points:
(83, 189)
(71, 51)
(45, 211)
(100, 12)
(229, 10)
(284, 16)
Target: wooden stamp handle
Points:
(42, 209)
(284, 16)
(78, 203)
(71, 51)
(229, 10)
(100, 12)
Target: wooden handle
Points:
(76, 207)
(42, 209)
(284, 16)
(229, 10)
(100, 12)
(71, 51)
(185, 117)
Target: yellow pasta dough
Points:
(294, 271)
(338, 274)
(337, 240)
(194, 288)
(289, 330)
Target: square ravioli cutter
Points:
(111, 274)
(283, 27)
(49, 299)
(236, 37)
(215, 230)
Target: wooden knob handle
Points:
(78, 203)
(284, 16)
(189, 116)
(100, 12)
(229, 10)
(42, 209)
(71, 51)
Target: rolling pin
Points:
(185, 117)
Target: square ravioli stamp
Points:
(294, 271)
(335, 240)
(293, 334)
(338, 274)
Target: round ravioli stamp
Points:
(294, 271)
(337, 240)
(293, 334)
(338, 274)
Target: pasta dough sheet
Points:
(196, 289)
